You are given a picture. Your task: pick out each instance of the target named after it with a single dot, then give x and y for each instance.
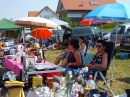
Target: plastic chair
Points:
(100, 73)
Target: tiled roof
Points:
(84, 4)
(32, 13)
(43, 9)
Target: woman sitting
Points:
(82, 44)
(63, 55)
(73, 58)
(100, 60)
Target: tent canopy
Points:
(60, 22)
(6, 25)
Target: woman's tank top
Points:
(97, 59)
(71, 59)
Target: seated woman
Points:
(62, 56)
(73, 58)
(82, 44)
(101, 58)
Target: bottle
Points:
(90, 83)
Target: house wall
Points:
(75, 16)
(48, 14)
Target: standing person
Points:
(73, 58)
(18, 46)
(82, 44)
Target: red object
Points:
(41, 33)
(85, 22)
(25, 48)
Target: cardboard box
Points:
(36, 80)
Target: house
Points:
(76, 9)
(46, 12)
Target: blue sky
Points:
(16, 9)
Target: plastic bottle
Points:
(90, 83)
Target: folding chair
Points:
(87, 58)
(100, 73)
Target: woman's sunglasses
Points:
(98, 46)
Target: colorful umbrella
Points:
(92, 21)
(115, 12)
(41, 33)
(85, 22)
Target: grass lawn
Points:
(121, 78)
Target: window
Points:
(47, 16)
(96, 30)
(127, 33)
(119, 30)
(74, 15)
(40, 16)
(81, 30)
(93, 3)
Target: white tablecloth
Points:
(33, 94)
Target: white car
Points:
(107, 37)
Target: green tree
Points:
(72, 24)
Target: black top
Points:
(97, 59)
(71, 59)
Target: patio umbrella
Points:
(85, 22)
(91, 21)
(41, 33)
(37, 22)
(115, 12)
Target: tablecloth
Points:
(10, 64)
(17, 67)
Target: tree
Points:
(72, 24)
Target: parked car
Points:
(57, 36)
(89, 32)
(120, 30)
(125, 42)
(107, 37)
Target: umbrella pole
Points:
(43, 55)
(102, 30)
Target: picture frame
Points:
(28, 62)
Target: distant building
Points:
(46, 12)
(76, 9)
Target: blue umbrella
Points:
(115, 12)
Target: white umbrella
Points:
(37, 22)
(60, 22)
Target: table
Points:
(17, 68)
(53, 72)
(34, 94)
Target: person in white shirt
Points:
(18, 46)
(82, 47)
